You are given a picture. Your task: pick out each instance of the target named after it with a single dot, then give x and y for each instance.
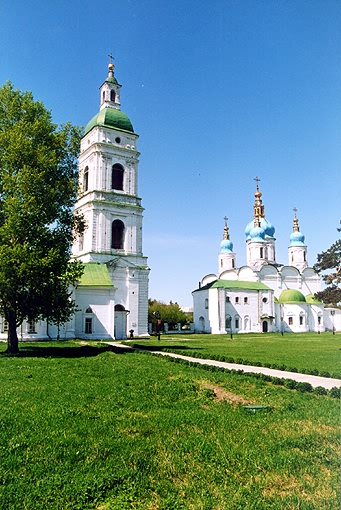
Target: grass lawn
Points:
(86, 428)
(307, 351)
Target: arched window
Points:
(117, 234)
(206, 303)
(119, 308)
(103, 96)
(228, 321)
(86, 179)
(88, 323)
(112, 95)
(117, 177)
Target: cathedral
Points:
(112, 295)
(262, 296)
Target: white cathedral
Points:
(112, 296)
(263, 295)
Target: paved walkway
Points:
(314, 380)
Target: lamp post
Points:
(332, 313)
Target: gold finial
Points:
(296, 227)
(258, 208)
(226, 229)
(111, 66)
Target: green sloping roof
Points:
(235, 285)
(96, 275)
(111, 118)
(291, 296)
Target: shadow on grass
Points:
(65, 351)
(162, 347)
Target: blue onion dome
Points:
(297, 239)
(226, 246)
(269, 229)
(257, 235)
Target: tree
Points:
(170, 313)
(330, 262)
(38, 187)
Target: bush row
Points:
(242, 361)
(279, 381)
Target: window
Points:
(31, 327)
(290, 321)
(227, 299)
(236, 300)
(319, 320)
(81, 242)
(117, 177)
(88, 325)
(88, 321)
(236, 322)
(265, 300)
(301, 320)
(261, 253)
(86, 179)
(117, 234)
(4, 326)
(206, 304)
(228, 320)
(245, 300)
(103, 96)
(118, 139)
(233, 263)
(112, 95)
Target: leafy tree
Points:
(330, 263)
(170, 313)
(38, 187)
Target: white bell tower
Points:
(108, 199)
(297, 251)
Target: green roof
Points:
(111, 118)
(291, 296)
(235, 285)
(95, 274)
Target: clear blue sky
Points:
(219, 92)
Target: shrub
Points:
(304, 386)
(290, 383)
(319, 390)
(334, 392)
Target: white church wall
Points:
(102, 305)
(200, 311)
(247, 274)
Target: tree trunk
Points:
(12, 337)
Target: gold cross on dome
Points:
(257, 179)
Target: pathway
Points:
(314, 380)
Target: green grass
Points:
(85, 428)
(304, 351)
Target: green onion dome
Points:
(312, 300)
(110, 118)
(291, 296)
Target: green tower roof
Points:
(291, 296)
(111, 118)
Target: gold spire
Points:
(226, 229)
(258, 208)
(296, 227)
(111, 66)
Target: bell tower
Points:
(108, 199)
